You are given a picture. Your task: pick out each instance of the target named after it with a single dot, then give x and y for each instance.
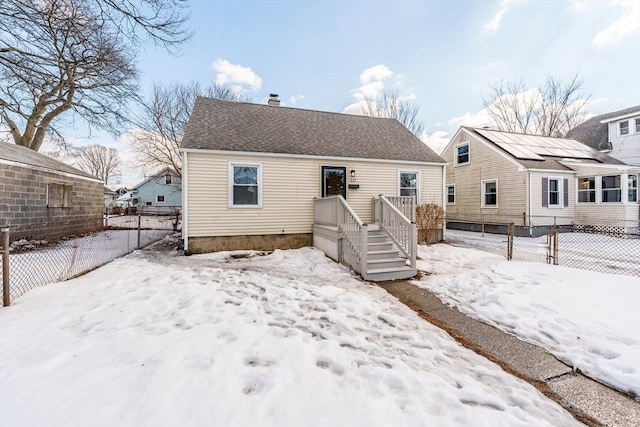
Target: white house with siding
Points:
(251, 173)
(532, 181)
(616, 133)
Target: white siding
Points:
(289, 185)
(625, 147)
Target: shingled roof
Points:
(596, 134)
(26, 156)
(239, 126)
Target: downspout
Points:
(444, 200)
(185, 205)
(529, 202)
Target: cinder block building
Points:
(40, 193)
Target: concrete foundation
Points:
(268, 242)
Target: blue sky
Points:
(326, 55)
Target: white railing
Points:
(401, 230)
(405, 204)
(334, 211)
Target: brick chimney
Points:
(274, 100)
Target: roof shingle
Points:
(238, 126)
(24, 155)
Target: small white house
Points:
(251, 172)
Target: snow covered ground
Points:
(69, 258)
(287, 339)
(588, 319)
(596, 252)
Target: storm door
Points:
(334, 181)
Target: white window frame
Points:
(417, 172)
(560, 192)
(158, 198)
(484, 183)
(168, 179)
(602, 189)
(455, 154)
(454, 194)
(594, 190)
(233, 164)
(620, 128)
(637, 124)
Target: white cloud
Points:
(356, 108)
(372, 83)
(238, 77)
(436, 141)
(478, 119)
(493, 25)
(628, 23)
(368, 90)
(375, 73)
(293, 100)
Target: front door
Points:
(334, 181)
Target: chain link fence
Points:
(36, 256)
(601, 245)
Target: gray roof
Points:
(26, 156)
(596, 134)
(239, 126)
(541, 145)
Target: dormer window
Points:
(167, 179)
(462, 154)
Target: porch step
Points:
(381, 254)
(395, 262)
(397, 273)
(379, 246)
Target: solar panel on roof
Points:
(532, 147)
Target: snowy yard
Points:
(287, 339)
(596, 252)
(69, 258)
(588, 319)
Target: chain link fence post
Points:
(6, 298)
(555, 246)
(139, 228)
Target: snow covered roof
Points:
(239, 126)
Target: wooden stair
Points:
(383, 262)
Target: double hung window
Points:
(245, 185)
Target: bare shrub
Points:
(430, 221)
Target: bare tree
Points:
(391, 105)
(157, 142)
(75, 55)
(551, 109)
(99, 161)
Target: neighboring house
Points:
(251, 172)
(534, 181)
(38, 192)
(122, 191)
(616, 133)
(159, 193)
(109, 198)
